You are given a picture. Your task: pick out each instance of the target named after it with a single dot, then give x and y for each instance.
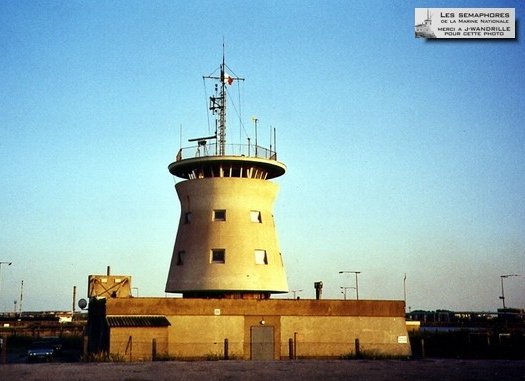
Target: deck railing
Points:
(204, 149)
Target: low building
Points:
(152, 328)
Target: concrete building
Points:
(227, 263)
(226, 244)
(159, 328)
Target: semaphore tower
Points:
(226, 244)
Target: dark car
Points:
(41, 351)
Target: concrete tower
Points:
(226, 244)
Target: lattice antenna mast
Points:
(218, 103)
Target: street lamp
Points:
(344, 290)
(405, 290)
(502, 297)
(3, 263)
(356, 283)
(295, 292)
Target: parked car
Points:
(41, 351)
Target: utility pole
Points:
(502, 297)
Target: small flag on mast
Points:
(227, 79)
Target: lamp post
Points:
(405, 290)
(3, 263)
(295, 292)
(356, 282)
(502, 297)
(344, 290)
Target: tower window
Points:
(218, 255)
(180, 258)
(187, 217)
(219, 215)
(255, 216)
(261, 257)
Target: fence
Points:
(468, 344)
(141, 349)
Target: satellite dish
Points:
(82, 303)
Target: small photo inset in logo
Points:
(424, 24)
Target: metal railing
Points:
(203, 149)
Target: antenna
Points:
(218, 102)
(180, 136)
(82, 303)
(74, 298)
(255, 121)
(222, 110)
(21, 297)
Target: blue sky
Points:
(403, 155)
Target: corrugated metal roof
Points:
(137, 321)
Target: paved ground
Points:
(301, 370)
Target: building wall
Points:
(136, 343)
(318, 328)
(203, 336)
(333, 336)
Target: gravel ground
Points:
(428, 369)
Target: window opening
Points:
(219, 215)
(180, 258)
(255, 216)
(261, 257)
(218, 255)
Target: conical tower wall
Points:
(226, 242)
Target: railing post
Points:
(295, 345)
(129, 346)
(154, 349)
(290, 349)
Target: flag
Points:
(227, 79)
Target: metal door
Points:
(262, 343)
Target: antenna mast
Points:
(222, 110)
(218, 104)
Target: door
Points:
(262, 343)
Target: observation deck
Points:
(238, 160)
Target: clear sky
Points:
(404, 156)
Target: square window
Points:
(260, 257)
(218, 255)
(255, 216)
(180, 258)
(219, 215)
